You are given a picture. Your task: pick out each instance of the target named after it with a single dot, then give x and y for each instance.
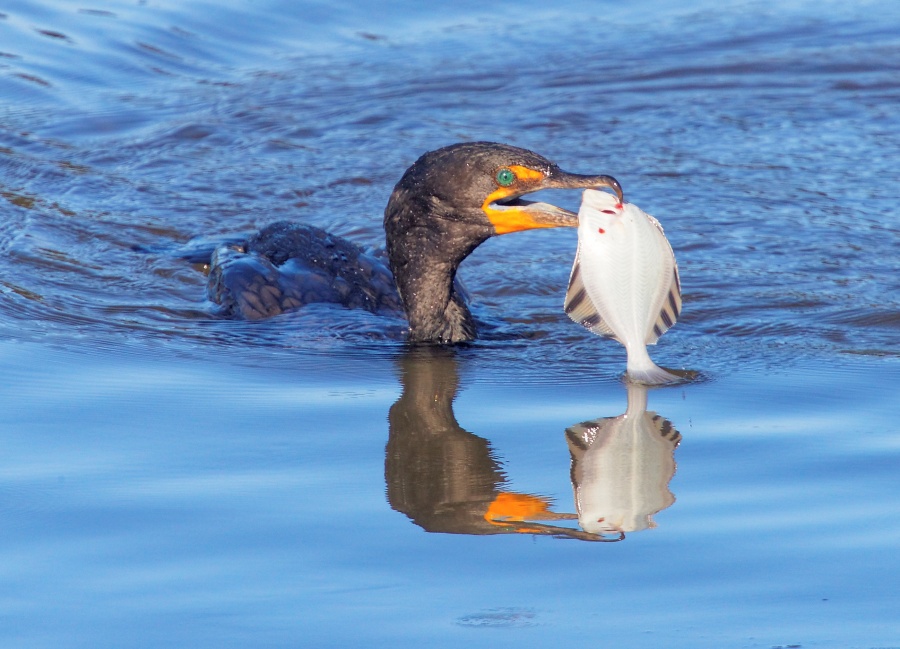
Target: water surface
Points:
(170, 477)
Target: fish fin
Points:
(640, 368)
(581, 437)
(651, 375)
(658, 225)
(578, 305)
(664, 428)
(584, 435)
(669, 312)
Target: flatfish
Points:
(622, 466)
(624, 282)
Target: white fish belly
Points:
(624, 283)
(623, 476)
(622, 466)
(628, 270)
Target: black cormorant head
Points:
(481, 184)
(450, 201)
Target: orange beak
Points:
(508, 213)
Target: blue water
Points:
(172, 478)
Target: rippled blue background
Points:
(169, 478)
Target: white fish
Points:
(624, 282)
(621, 467)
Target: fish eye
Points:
(506, 177)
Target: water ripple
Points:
(765, 152)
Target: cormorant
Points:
(446, 204)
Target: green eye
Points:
(505, 177)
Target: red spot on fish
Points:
(619, 206)
(601, 230)
(607, 211)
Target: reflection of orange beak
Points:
(512, 511)
(508, 213)
(512, 507)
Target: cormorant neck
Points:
(424, 257)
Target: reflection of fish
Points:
(624, 282)
(621, 467)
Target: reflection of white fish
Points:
(624, 282)
(621, 467)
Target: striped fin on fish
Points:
(665, 428)
(670, 310)
(584, 435)
(671, 307)
(578, 305)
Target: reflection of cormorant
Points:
(445, 205)
(445, 478)
(621, 467)
(441, 476)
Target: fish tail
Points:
(641, 369)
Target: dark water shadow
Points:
(450, 480)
